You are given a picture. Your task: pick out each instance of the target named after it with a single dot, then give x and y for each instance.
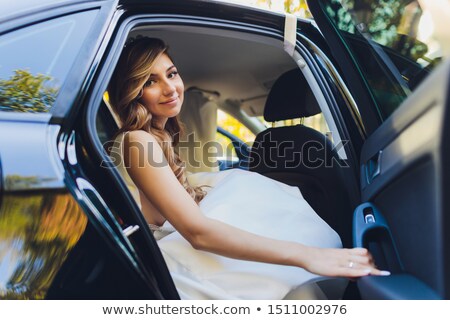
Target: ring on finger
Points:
(351, 264)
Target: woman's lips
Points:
(171, 101)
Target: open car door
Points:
(395, 71)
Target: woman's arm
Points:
(147, 166)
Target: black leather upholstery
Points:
(301, 156)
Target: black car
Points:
(378, 173)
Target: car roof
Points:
(246, 13)
(12, 9)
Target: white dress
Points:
(256, 204)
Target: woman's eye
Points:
(149, 83)
(173, 74)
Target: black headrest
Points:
(290, 98)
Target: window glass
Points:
(35, 61)
(235, 127)
(228, 151)
(316, 122)
(392, 42)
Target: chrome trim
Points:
(54, 149)
(338, 81)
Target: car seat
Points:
(301, 156)
(199, 118)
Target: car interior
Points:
(357, 118)
(246, 76)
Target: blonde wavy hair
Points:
(125, 90)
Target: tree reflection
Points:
(25, 92)
(39, 230)
(18, 182)
(383, 38)
(391, 23)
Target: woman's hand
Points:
(350, 263)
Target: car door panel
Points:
(408, 192)
(403, 162)
(398, 286)
(372, 231)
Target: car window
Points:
(316, 122)
(35, 61)
(235, 127)
(228, 151)
(391, 42)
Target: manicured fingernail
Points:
(384, 273)
(368, 271)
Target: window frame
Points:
(75, 85)
(35, 25)
(125, 24)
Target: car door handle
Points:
(100, 209)
(371, 231)
(373, 167)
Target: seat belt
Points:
(290, 33)
(290, 38)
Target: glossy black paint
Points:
(61, 237)
(96, 261)
(40, 222)
(55, 242)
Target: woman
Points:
(147, 94)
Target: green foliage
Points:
(383, 20)
(25, 92)
(16, 182)
(395, 25)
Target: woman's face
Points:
(163, 91)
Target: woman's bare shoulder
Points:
(140, 145)
(139, 135)
(142, 139)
